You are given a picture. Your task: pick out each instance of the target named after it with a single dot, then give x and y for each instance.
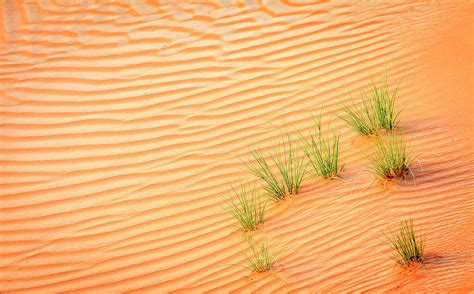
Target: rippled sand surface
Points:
(122, 124)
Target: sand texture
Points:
(123, 123)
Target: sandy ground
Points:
(122, 125)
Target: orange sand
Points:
(122, 124)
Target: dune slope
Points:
(123, 123)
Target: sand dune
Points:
(123, 123)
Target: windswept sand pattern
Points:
(122, 124)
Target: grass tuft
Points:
(392, 158)
(323, 153)
(408, 246)
(247, 207)
(261, 257)
(377, 111)
(290, 169)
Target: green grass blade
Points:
(322, 152)
(246, 207)
(262, 257)
(283, 174)
(408, 247)
(377, 110)
(392, 157)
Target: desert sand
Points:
(123, 123)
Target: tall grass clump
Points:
(247, 207)
(287, 173)
(377, 111)
(392, 157)
(323, 152)
(408, 245)
(261, 257)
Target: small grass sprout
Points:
(323, 152)
(392, 157)
(288, 175)
(377, 111)
(246, 206)
(261, 257)
(408, 245)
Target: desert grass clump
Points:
(261, 257)
(323, 152)
(392, 157)
(408, 245)
(377, 111)
(286, 177)
(247, 207)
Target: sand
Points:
(123, 124)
